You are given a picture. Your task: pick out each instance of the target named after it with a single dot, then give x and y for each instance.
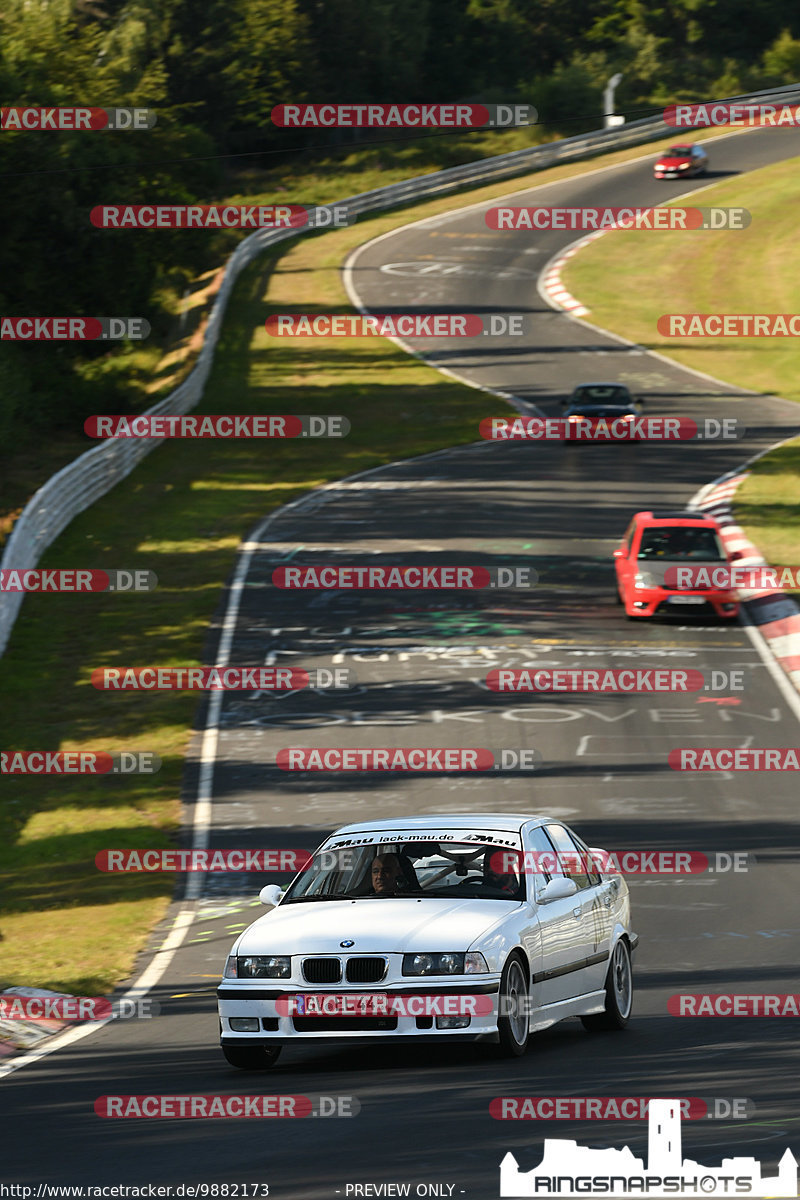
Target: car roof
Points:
(683, 515)
(506, 822)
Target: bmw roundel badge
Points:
(348, 942)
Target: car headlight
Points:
(444, 964)
(684, 166)
(263, 966)
(643, 579)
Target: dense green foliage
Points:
(213, 71)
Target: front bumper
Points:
(646, 602)
(276, 1028)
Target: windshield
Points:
(600, 395)
(600, 410)
(679, 152)
(664, 542)
(482, 870)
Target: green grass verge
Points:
(182, 514)
(767, 505)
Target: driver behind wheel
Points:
(386, 875)
(508, 881)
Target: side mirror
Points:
(619, 552)
(735, 555)
(639, 400)
(557, 889)
(270, 895)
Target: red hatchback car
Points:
(679, 161)
(654, 542)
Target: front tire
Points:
(251, 1058)
(513, 1022)
(619, 993)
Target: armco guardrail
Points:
(94, 473)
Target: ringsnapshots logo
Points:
(220, 216)
(73, 329)
(163, 426)
(660, 218)
(570, 1170)
(403, 325)
(402, 116)
(74, 119)
(627, 428)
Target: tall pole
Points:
(608, 101)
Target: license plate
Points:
(685, 600)
(338, 1004)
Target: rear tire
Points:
(251, 1058)
(514, 1021)
(619, 993)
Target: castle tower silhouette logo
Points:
(568, 1169)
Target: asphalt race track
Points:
(420, 661)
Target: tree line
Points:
(213, 71)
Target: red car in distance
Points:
(681, 160)
(654, 542)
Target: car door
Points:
(591, 914)
(563, 936)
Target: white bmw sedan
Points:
(476, 927)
